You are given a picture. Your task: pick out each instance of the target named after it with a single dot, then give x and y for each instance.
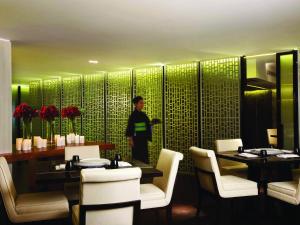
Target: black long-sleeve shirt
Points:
(139, 125)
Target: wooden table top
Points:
(258, 161)
(50, 175)
(50, 151)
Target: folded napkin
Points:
(248, 155)
(123, 164)
(287, 151)
(286, 156)
(60, 167)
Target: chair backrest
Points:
(7, 189)
(228, 145)
(168, 163)
(84, 152)
(109, 197)
(272, 137)
(206, 169)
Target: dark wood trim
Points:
(243, 83)
(163, 105)
(135, 204)
(199, 88)
(18, 120)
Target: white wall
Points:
(5, 97)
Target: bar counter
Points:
(49, 152)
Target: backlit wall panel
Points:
(35, 101)
(220, 100)
(181, 105)
(93, 104)
(71, 94)
(148, 84)
(52, 96)
(118, 103)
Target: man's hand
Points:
(130, 142)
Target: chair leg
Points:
(169, 214)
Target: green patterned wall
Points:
(118, 103)
(93, 105)
(220, 100)
(35, 100)
(181, 110)
(52, 96)
(106, 100)
(148, 84)
(71, 94)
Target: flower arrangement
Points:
(26, 113)
(49, 113)
(71, 112)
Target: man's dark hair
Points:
(136, 99)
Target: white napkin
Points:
(286, 156)
(248, 155)
(60, 167)
(123, 164)
(287, 151)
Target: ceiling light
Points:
(93, 61)
(259, 55)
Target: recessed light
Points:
(93, 61)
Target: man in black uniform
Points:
(139, 131)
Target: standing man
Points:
(139, 131)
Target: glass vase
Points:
(27, 129)
(50, 132)
(72, 126)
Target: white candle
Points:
(29, 143)
(72, 135)
(39, 143)
(26, 144)
(81, 139)
(19, 144)
(35, 140)
(56, 136)
(62, 141)
(76, 139)
(69, 139)
(44, 143)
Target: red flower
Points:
(25, 111)
(49, 112)
(70, 112)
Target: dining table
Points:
(49, 174)
(263, 170)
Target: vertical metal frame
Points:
(243, 83)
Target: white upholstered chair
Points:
(210, 181)
(272, 137)
(108, 197)
(22, 208)
(228, 167)
(287, 191)
(88, 151)
(159, 193)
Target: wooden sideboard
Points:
(49, 152)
